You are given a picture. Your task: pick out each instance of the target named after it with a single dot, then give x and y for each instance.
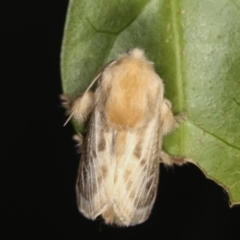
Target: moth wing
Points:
(137, 178)
(92, 178)
(91, 192)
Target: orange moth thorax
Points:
(128, 100)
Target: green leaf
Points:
(195, 46)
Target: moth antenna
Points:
(98, 75)
(88, 88)
(68, 119)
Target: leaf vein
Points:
(124, 27)
(215, 136)
(235, 4)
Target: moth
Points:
(120, 154)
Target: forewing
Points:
(94, 164)
(137, 175)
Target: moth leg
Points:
(80, 108)
(170, 160)
(65, 102)
(169, 121)
(79, 139)
(180, 118)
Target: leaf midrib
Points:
(179, 78)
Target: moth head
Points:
(135, 53)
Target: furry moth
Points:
(128, 117)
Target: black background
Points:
(40, 161)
